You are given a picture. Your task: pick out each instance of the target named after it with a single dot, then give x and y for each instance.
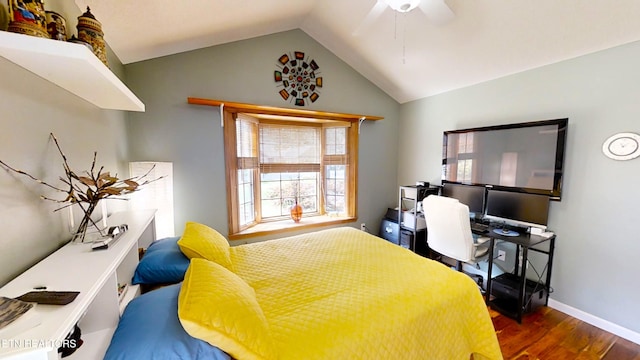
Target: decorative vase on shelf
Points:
(90, 31)
(56, 26)
(4, 18)
(28, 18)
(296, 212)
(75, 40)
(88, 230)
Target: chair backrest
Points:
(448, 228)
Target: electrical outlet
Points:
(502, 255)
(363, 227)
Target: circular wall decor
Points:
(622, 146)
(297, 76)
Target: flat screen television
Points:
(524, 157)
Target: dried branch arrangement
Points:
(88, 188)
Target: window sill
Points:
(277, 227)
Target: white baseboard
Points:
(596, 321)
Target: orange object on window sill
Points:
(296, 212)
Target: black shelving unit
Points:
(413, 230)
(513, 294)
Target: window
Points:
(335, 156)
(247, 153)
(289, 169)
(274, 161)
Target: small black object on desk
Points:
(49, 297)
(114, 234)
(479, 228)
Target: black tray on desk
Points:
(49, 297)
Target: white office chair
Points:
(449, 232)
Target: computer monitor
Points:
(470, 195)
(517, 208)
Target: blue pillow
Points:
(162, 263)
(150, 329)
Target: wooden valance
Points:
(256, 109)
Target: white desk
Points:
(95, 274)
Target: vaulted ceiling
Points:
(408, 55)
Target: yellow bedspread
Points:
(345, 294)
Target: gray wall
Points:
(33, 108)
(191, 137)
(596, 264)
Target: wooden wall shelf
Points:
(71, 66)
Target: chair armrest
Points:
(481, 240)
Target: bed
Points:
(332, 294)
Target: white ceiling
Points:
(406, 55)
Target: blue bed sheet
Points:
(149, 329)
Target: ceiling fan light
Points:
(402, 6)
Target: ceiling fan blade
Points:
(373, 15)
(437, 11)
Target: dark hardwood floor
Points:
(551, 334)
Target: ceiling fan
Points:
(437, 11)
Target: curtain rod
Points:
(251, 108)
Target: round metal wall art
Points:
(298, 78)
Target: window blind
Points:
(289, 148)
